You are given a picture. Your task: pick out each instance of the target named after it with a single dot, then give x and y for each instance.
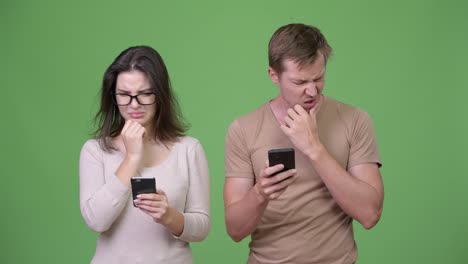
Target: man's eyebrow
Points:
(298, 80)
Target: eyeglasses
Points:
(126, 99)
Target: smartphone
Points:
(283, 156)
(142, 185)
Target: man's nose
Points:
(311, 89)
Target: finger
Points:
(281, 180)
(286, 130)
(142, 131)
(277, 194)
(139, 132)
(156, 216)
(161, 192)
(133, 128)
(152, 203)
(314, 111)
(147, 196)
(268, 174)
(288, 121)
(279, 185)
(300, 110)
(162, 205)
(125, 127)
(274, 169)
(282, 176)
(265, 166)
(292, 113)
(151, 196)
(151, 209)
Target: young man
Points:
(302, 215)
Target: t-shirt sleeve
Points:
(363, 147)
(237, 160)
(197, 206)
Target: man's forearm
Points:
(243, 216)
(356, 198)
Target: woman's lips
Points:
(136, 115)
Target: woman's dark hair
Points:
(168, 122)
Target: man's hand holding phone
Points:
(275, 179)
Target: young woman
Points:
(141, 134)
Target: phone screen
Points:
(142, 185)
(283, 156)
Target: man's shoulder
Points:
(344, 110)
(251, 118)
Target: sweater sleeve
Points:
(101, 200)
(197, 206)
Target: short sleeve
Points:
(363, 143)
(236, 153)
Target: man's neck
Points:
(279, 107)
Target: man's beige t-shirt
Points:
(305, 224)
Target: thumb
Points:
(314, 111)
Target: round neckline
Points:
(161, 164)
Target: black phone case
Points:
(142, 185)
(283, 156)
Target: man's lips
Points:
(310, 103)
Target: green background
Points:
(404, 62)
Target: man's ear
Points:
(273, 76)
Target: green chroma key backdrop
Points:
(404, 62)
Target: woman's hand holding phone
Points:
(156, 205)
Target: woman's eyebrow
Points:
(139, 91)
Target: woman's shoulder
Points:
(91, 144)
(188, 143)
(96, 146)
(91, 148)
